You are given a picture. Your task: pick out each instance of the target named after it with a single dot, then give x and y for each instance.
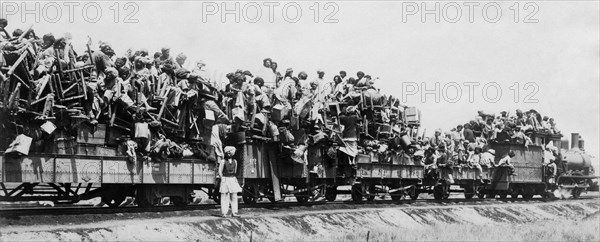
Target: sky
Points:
(548, 61)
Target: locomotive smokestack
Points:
(574, 140)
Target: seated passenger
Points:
(505, 161)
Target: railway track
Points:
(317, 205)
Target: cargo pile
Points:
(58, 101)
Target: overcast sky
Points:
(559, 54)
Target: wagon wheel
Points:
(502, 195)
(528, 195)
(446, 190)
(302, 197)
(514, 193)
(576, 193)
(356, 193)
(397, 196)
(479, 191)
(113, 201)
(249, 194)
(469, 192)
(413, 193)
(270, 194)
(143, 201)
(215, 194)
(438, 192)
(179, 201)
(331, 193)
(372, 191)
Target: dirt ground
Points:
(565, 220)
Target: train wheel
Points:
(179, 201)
(576, 193)
(302, 197)
(438, 192)
(270, 194)
(528, 195)
(514, 193)
(479, 191)
(372, 191)
(413, 193)
(502, 195)
(143, 201)
(249, 195)
(356, 193)
(331, 194)
(396, 196)
(469, 192)
(113, 201)
(216, 195)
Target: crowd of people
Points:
(467, 145)
(167, 111)
(164, 110)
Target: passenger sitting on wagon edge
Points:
(505, 161)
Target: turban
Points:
(146, 60)
(320, 71)
(289, 70)
(351, 109)
(229, 150)
(111, 71)
(49, 38)
(121, 61)
(201, 62)
(182, 73)
(247, 73)
(302, 74)
(104, 46)
(164, 49)
(181, 56)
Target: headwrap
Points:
(60, 43)
(146, 60)
(168, 67)
(165, 49)
(350, 109)
(105, 46)
(121, 61)
(182, 73)
(49, 37)
(320, 71)
(229, 150)
(302, 74)
(181, 56)
(111, 71)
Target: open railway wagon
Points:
(393, 172)
(268, 172)
(72, 178)
(60, 150)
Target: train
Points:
(66, 147)
(264, 174)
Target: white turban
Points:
(229, 150)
